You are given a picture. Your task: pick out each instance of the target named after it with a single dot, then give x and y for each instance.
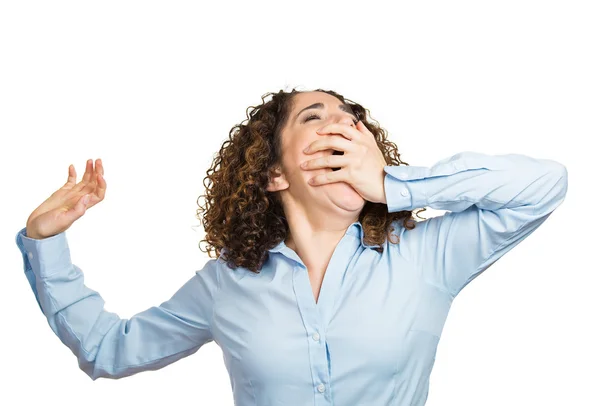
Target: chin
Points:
(345, 197)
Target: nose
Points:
(347, 120)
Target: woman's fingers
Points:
(89, 170)
(100, 187)
(96, 187)
(72, 178)
(87, 177)
(93, 182)
(65, 205)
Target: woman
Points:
(322, 292)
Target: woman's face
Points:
(299, 132)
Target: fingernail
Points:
(86, 199)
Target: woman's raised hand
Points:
(67, 204)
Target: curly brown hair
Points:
(243, 220)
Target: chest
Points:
(272, 326)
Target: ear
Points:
(278, 181)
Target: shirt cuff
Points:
(46, 256)
(400, 192)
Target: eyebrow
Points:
(343, 107)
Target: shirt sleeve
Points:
(106, 345)
(494, 202)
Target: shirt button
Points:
(321, 388)
(316, 336)
(403, 175)
(404, 192)
(30, 254)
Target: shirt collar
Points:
(355, 229)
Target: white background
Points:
(153, 89)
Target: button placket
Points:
(311, 315)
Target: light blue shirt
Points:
(371, 338)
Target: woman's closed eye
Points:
(313, 115)
(310, 117)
